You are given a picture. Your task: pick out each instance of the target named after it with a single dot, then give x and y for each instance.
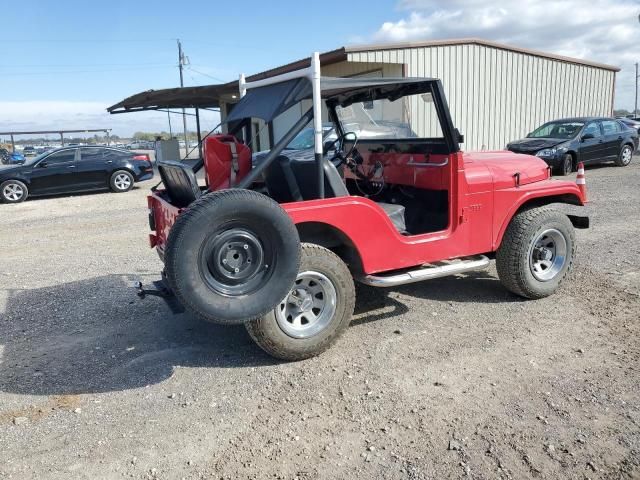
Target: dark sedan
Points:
(74, 169)
(564, 143)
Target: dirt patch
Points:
(453, 378)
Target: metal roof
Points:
(206, 96)
(476, 41)
(342, 54)
(209, 96)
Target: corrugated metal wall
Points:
(496, 95)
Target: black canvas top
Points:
(270, 101)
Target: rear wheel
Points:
(536, 252)
(624, 158)
(13, 191)
(315, 312)
(232, 256)
(121, 181)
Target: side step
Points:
(442, 269)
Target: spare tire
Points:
(232, 256)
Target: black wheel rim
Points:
(233, 261)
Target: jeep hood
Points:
(503, 167)
(532, 145)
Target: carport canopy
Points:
(205, 96)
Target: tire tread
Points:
(177, 232)
(515, 244)
(274, 348)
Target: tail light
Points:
(142, 157)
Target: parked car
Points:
(11, 158)
(29, 151)
(566, 142)
(74, 169)
(633, 124)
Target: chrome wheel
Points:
(309, 307)
(548, 255)
(122, 181)
(13, 192)
(625, 155)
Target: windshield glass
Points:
(407, 117)
(557, 130)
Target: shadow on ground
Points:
(97, 336)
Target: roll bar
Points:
(312, 73)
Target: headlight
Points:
(547, 152)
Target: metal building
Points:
(496, 93)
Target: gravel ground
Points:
(453, 378)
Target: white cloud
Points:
(605, 31)
(69, 115)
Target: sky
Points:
(62, 63)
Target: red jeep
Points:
(276, 242)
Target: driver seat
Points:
(294, 180)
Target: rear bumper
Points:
(162, 216)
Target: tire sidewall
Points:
(620, 160)
(290, 348)
(9, 182)
(112, 181)
(567, 161)
(545, 288)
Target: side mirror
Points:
(328, 145)
(459, 136)
(43, 164)
(587, 136)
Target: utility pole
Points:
(635, 107)
(183, 60)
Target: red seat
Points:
(226, 161)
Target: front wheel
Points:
(566, 165)
(13, 191)
(315, 312)
(624, 158)
(536, 252)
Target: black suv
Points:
(563, 143)
(74, 169)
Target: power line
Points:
(206, 75)
(81, 65)
(67, 72)
(85, 40)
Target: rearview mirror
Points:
(587, 136)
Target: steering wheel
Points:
(340, 157)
